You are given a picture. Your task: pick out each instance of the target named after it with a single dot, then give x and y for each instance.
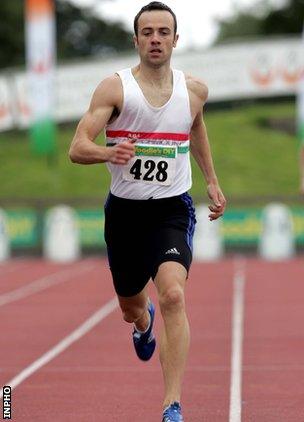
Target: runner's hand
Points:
(121, 153)
(218, 205)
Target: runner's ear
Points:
(175, 40)
(135, 41)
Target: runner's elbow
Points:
(74, 154)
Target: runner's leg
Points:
(135, 309)
(175, 336)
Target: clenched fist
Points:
(121, 153)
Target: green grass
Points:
(250, 160)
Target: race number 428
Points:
(149, 169)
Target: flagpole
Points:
(40, 60)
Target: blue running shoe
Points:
(173, 413)
(145, 343)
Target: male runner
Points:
(152, 116)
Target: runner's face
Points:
(155, 39)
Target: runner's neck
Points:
(157, 78)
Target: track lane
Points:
(43, 283)
(35, 323)
(207, 380)
(19, 274)
(273, 371)
(100, 378)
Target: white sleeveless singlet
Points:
(161, 166)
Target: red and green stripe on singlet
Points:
(144, 136)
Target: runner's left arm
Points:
(200, 149)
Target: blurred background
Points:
(54, 53)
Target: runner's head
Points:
(154, 5)
(155, 33)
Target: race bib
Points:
(153, 164)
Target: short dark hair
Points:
(154, 5)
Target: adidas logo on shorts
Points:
(172, 251)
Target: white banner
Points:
(237, 71)
(257, 69)
(6, 115)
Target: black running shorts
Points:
(142, 234)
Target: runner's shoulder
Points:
(109, 91)
(197, 87)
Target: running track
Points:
(247, 350)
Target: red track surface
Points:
(273, 362)
(98, 378)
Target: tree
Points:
(263, 19)
(288, 20)
(79, 33)
(11, 33)
(241, 25)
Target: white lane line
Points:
(235, 413)
(44, 283)
(83, 329)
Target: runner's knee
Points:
(132, 313)
(172, 300)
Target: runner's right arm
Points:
(83, 150)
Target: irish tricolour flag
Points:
(40, 57)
